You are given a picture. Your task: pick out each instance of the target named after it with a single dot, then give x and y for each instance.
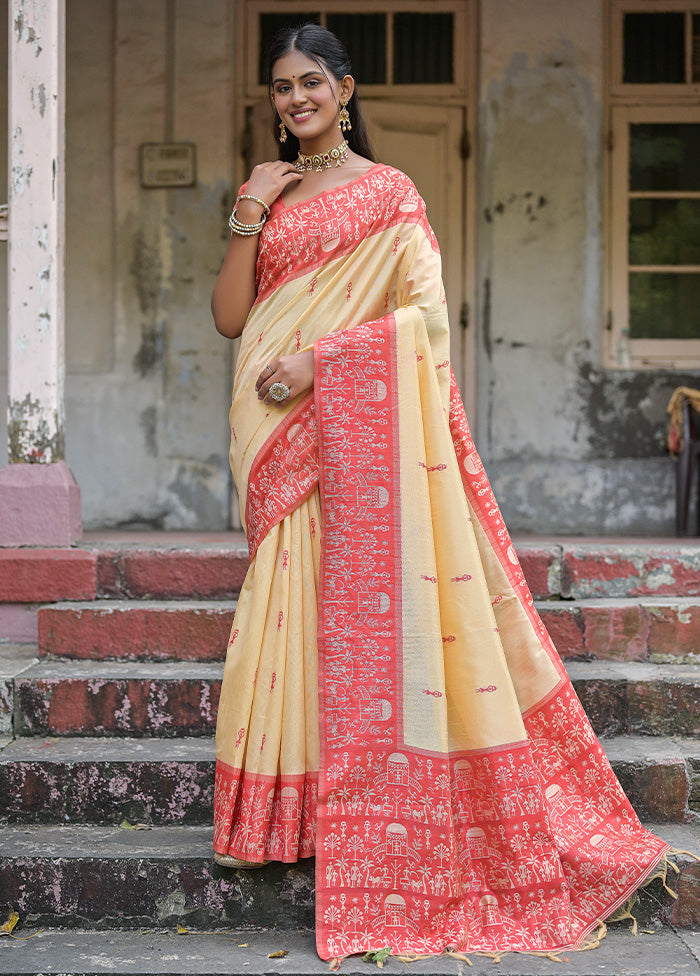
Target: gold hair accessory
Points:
(283, 133)
(344, 117)
(321, 161)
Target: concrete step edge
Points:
(618, 602)
(15, 659)
(96, 841)
(90, 841)
(117, 749)
(222, 953)
(67, 669)
(634, 671)
(126, 605)
(130, 749)
(127, 541)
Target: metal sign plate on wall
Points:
(165, 164)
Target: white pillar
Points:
(36, 483)
(36, 230)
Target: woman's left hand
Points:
(295, 371)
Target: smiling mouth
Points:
(306, 114)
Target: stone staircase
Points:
(108, 707)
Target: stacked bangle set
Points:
(248, 230)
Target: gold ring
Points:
(279, 392)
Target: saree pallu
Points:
(391, 700)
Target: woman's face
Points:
(307, 100)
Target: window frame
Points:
(462, 27)
(616, 86)
(641, 352)
(628, 104)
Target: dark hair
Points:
(323, 47)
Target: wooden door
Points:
(425, 142)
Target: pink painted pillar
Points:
(39, 499)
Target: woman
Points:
(391, 701)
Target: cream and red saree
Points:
(391, 701)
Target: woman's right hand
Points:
(235, 289)
(270, 179)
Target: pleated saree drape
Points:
(391, 701)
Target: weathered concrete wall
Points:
(148, 381)
(4, 99)
(149, 376)
(569, 447)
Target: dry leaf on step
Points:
(7, 927)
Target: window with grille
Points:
(654, 213)
(408, 46)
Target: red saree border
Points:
(259, 817)
(284, 472)
(521, 847)
(299, 240)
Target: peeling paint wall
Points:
(148, 382)
(147, 435)
(570, 447)
(148, 377)
(4, 99)
(34, 125)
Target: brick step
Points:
(565, 569)
(166, 781)
(169, 569)
(106, 781)
(172, 698)
(105, 876)
(213, 571)
(125, 953)
(643, 699)
(623, 569)
(181, 698)
(553, 569)
(642, 629)
(660, 776)
(44, 575)
(82, 876)
(14, 659)
(207, 571)
(130, 630)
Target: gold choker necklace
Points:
(321, 161)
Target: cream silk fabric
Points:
(391, 701)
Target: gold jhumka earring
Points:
(344, 117)
(283, 133)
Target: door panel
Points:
(425, 142)
(261, 144)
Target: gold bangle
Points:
(247, 196)
(245, 230)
